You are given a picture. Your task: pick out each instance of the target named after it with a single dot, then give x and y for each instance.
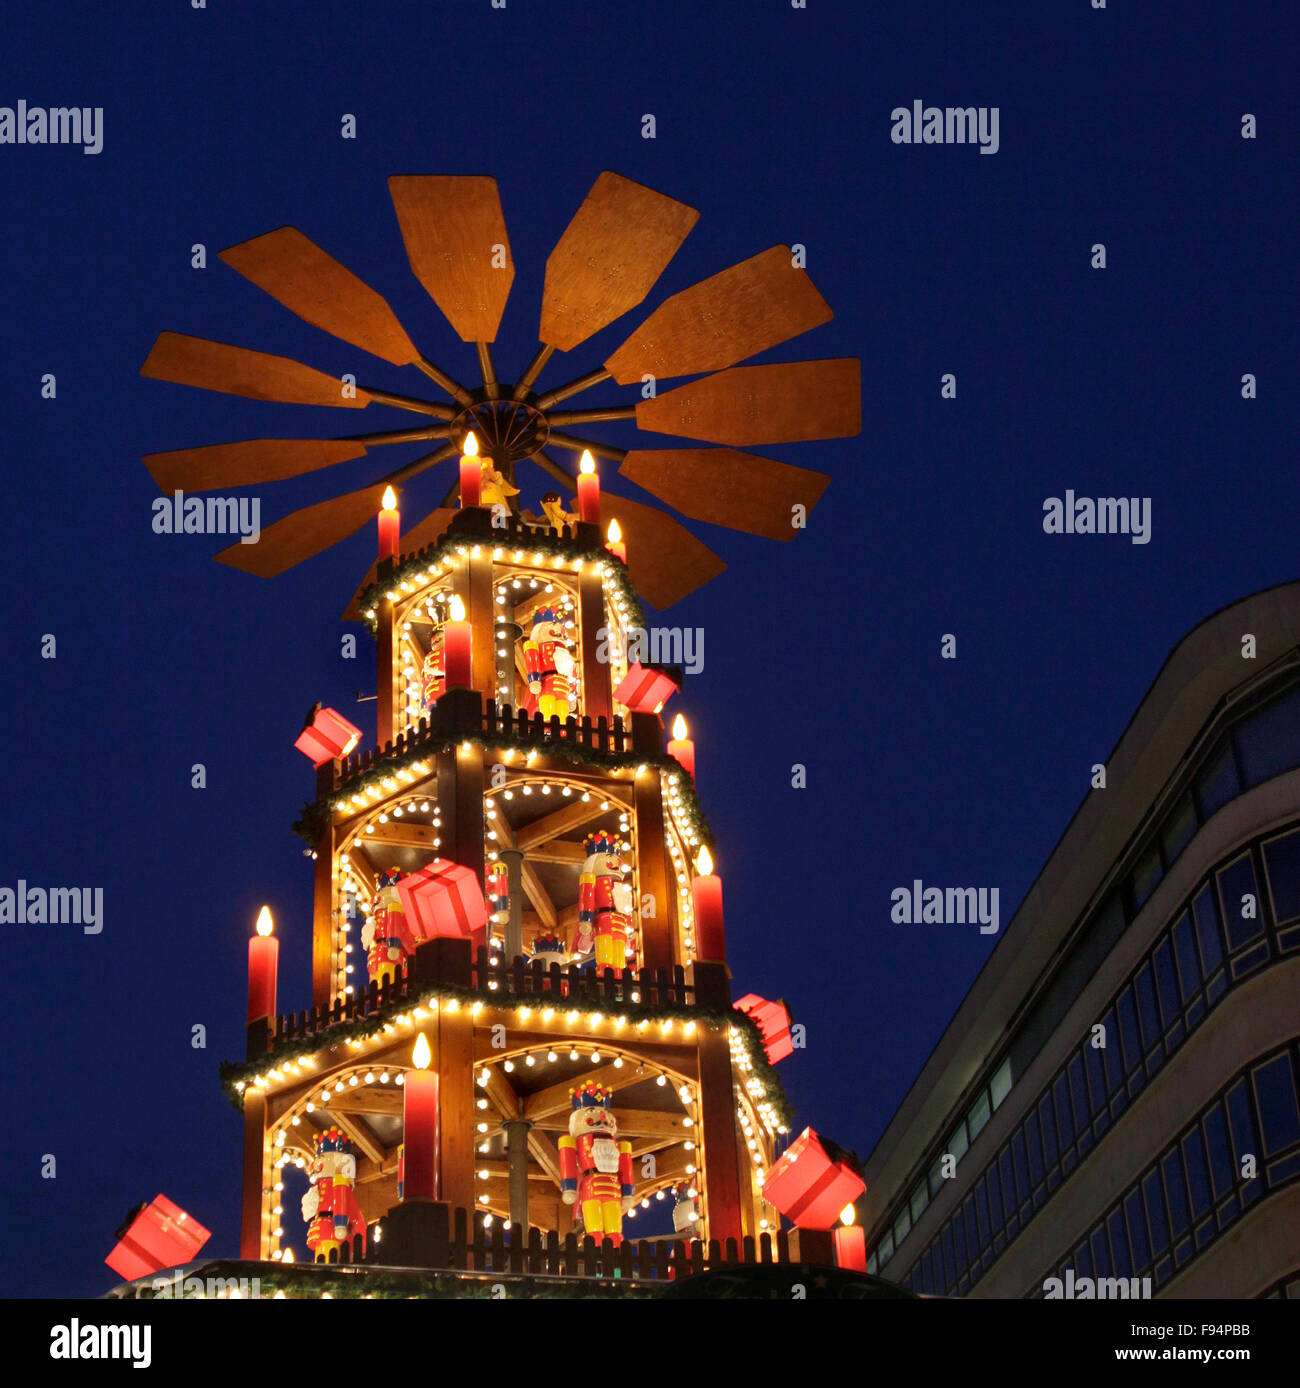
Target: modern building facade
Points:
(1118, 1095)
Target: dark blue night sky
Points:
(1120, 126)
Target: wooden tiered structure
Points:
(465, 778)
(474, 782)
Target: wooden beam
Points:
(555, 1097)
(358, 1131)
(545, 1154)
(404, 833)
(634, 1123)
(499, 1091)
(559, 821)
(370, 1098)
(558, 851)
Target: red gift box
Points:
(326, 735)
(645, 689)
(155, 1236)
(809, 1185)
(773, 1022)
(443, 900)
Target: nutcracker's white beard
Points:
(604, 1152)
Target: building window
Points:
(978, 1115)
(1000, 1085)
(1179, 830)
(1282, 863)
(1146, 877)
(1268, 742)
(1275, 1094)
(1218, 782)
(1240, 899)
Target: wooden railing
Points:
(466, 1248)
(654, 988)
(453, 718)
(521, 977)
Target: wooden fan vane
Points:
(604, 265)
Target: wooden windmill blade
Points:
(612, 252)
(723, 487)
(311, 529)
(423, 532)
(196, 361)
(665, 561)
(304, 533)
(785, 403)
(450, 226)
(748, 308)
(247, 463)
(311, 283)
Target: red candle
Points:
(457, 648)
(263, 965)
(588, 490)
(471, 474)
(420, 1127)
(681, 748)
(706, 900)
(390, 526)
(851, 1247)
(613, 540)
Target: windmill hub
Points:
(507, 430)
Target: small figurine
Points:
(686, 1212)
(496, 490)
(433, 670)
(553, 510)
(549, 664)
(498, 893)
(386, 937)
(595, 1168)
(604, 903)
(330, 1206)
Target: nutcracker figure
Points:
(548, 946)
(604, 902)
(498, 893)
(330, 1207)
(548, 662)
(595, 1168)
(386, 936)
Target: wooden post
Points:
(324, 919)
(474, 583)
(386, 677)
(654, 875)
(718, 1130)
(251, 1233)
(460, 796)
(457, 1111)
(597, 695)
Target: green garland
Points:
(310, 825)
(550, 545)
(369, 1028)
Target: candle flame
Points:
(847, 1215)
(457, 608)
(421, 1055)
(390, 499)
(264, 921)
(679, 728)
(615, 533)
(471, 445)
(704, 861)
(588, 463)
